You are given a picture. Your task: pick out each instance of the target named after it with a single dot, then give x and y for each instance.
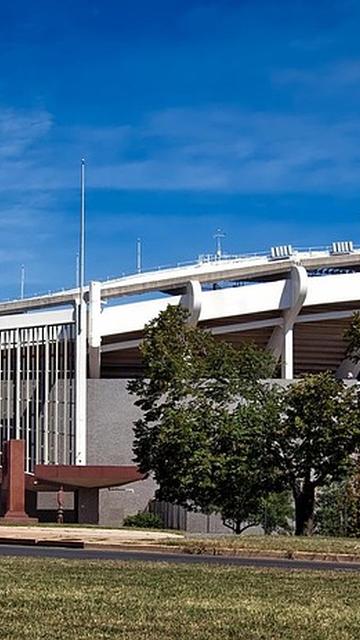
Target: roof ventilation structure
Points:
(342, 247)
(281, 253)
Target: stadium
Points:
(66, 358)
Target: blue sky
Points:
(191, 115)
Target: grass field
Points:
(285, 544)
(58, 599)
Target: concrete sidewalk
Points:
(93, 536)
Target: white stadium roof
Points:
(297, 303)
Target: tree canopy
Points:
(217, 437)
(352, 338)
(205, 415)
(338, 507)
(313, 441)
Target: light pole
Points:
(81, 338)
(82, 231)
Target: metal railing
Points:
(312, 251)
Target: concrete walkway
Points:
(106, 537)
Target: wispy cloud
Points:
(19, 131)
(226, 150)
(329, 77)
(204, 149)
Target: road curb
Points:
(228, 551)
(32, 542)
(276, 554)
(184, 550)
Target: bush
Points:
(338, 509)
(144, 521)
(278, 513)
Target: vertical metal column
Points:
(27, 404)
(9, 384)
(56, 429)
(65, 394)
(80, 385)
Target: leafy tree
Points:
(278, 513)
(314, 439)
(352, 502)
(331, 510)
(352, 338)
(338, 508)
(203, 430)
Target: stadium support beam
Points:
(192, 301)
(94, 329)
(281, 343)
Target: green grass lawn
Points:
(285, 544)
(56, 599)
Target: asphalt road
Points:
(146, 556)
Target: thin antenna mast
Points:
(218, 236)
(22, 281)
(138, 255)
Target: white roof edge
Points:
(206, 272)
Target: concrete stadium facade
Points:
(65, 359)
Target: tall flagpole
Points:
(82, 232)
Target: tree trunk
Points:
(304, 510)
(236, 525)
(237, 528)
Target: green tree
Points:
(278, 513)
(332, 510)
(314, 439)
(338, 507)
(205, 416)
(352, 338)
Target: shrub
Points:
(143, 520)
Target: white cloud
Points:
(19, 131)
(330, 78)
(208, 149)
(233, 151)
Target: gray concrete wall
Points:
(111, 414)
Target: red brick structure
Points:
(13, 482)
